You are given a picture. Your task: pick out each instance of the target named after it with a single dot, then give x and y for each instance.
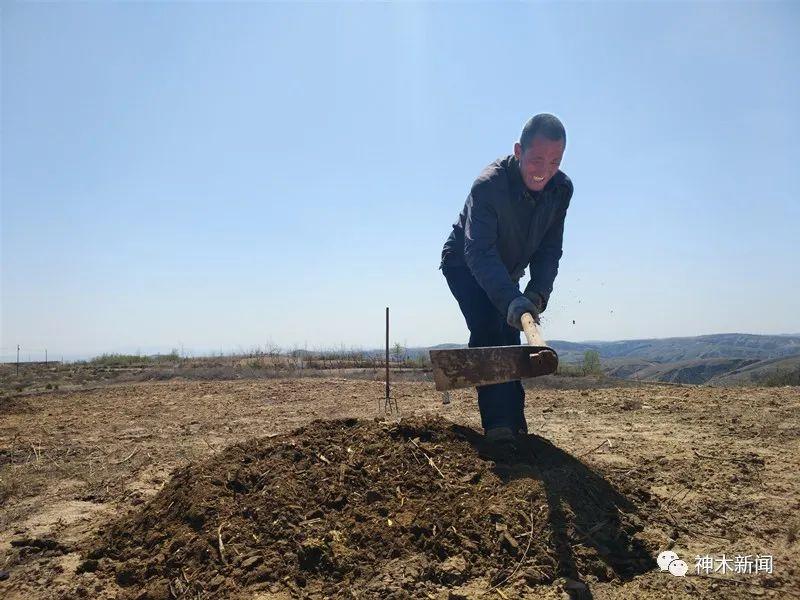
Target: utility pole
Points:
(45, 357)
(18, 358)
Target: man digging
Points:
(513, 218)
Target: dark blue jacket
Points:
(504, 228)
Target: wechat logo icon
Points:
(669, 561)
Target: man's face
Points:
(539, 161)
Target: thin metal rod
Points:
(387, 354)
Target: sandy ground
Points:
(709, 471)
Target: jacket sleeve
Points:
(480, 250)
(544, 263)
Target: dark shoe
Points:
(501, 444)
(498, 435)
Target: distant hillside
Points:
(760, 371)
(690, 371)
(721, 345)
(719, 359)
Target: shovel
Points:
(470, 367)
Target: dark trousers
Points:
(501, 404)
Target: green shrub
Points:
(118, 360)
(591, 363)
(565, 370)
(127, 360)
(780, 378)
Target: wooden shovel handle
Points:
(532, 331)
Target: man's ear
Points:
(517, 150)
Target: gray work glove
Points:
(537, 299)
(519, 306)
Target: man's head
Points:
(539, 150)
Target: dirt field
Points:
(187, 489)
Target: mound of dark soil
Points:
(374, 510)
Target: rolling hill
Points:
(718, 359)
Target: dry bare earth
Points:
(183, 489)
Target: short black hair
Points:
(543, 124)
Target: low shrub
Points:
(780, 377)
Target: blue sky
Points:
(223, 176)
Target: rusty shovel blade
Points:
(470, 367)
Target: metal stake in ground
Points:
(387, 357)
(387, 400)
